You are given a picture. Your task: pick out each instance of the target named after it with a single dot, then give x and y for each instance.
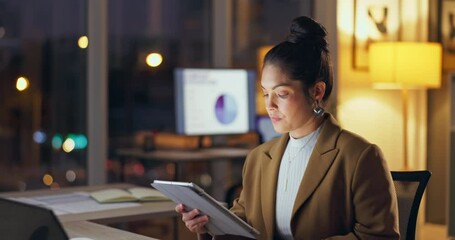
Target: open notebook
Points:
(29, 222)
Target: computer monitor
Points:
(215, 101)
(25, 221)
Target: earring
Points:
(318, 110)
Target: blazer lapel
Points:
(269, 180)
(320, 161)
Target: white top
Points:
(292, 168)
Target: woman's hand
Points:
(193, 220)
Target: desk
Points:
(99, 232)
(74, 222)
(143, 211)
(177, 157)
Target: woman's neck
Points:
(310, 126)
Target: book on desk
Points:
(141, 194)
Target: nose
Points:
(270, 103)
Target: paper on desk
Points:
(76, 202)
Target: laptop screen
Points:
(28, 222)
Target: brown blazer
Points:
(346, 193)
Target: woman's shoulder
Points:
(335, 134)
(351, 137)
(352, 144)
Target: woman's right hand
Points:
(193, 220)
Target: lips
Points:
(275, 119)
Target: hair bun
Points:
(305, 29)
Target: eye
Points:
(283, 95)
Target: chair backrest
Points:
(409, 186)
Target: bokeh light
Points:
(206, 179)
(154, 59)
(83, 42)
(39, 136)
(57, 141)
(80, 141)
(68, 145)
(55, 185)
(22, 83)
(138, 169)
(70, 176)
(48, 179)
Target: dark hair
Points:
(304, 55)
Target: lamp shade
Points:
(405, 64)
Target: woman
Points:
(317, 181)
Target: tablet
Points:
(221, 220)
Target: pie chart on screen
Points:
(225, 109)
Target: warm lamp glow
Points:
(405, 64)
(261, 52)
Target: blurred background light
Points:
(57, 141)
(48, 179)
(22, 83)
(80, 141)
(55, 185)
(70, 176)
(205, 179)
(138, 169)
(154, 59)
(68, 145)
(39, 136)
(83, 42)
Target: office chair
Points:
(409, 186)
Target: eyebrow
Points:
(279, 85)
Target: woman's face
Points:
(287, 105)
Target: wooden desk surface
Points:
(78, 225)
(204, 154)
(99, 232)
(147, 210)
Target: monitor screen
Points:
(215, 101)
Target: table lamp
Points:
(405, 65)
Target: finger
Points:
(192, 223)
(180, 208)
(186, 216)
(197, 224)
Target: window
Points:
(42, 94)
